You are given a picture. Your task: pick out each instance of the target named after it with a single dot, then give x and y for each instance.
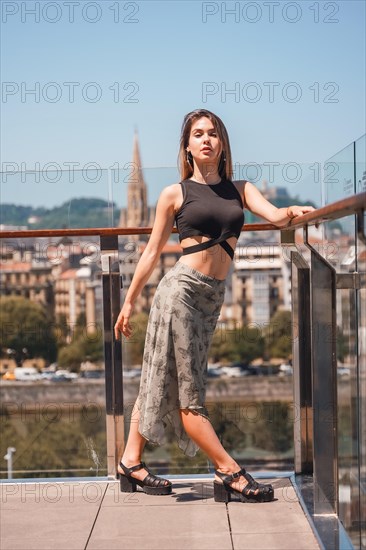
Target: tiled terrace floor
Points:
(95, 515)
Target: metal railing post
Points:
(301, 359)
(324, 382)
(301, 355)
(111, 284)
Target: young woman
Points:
(208, 210)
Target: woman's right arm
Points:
(163, 225)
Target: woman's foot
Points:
(139, 474)
(237, 484)
(234, 479)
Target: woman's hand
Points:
(122, 323)
(294, 211)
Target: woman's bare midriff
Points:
(214, 261)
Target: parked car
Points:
(8, 376)
(47, 375)
(266, 369)
(285, 370)
(27, 374)
(240, 364)
(233, 371)
(63, 375)
(253, 370)
(245, 369)
(132, 373)
(213, 372)
(343, 371)
(93, 374)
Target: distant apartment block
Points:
(22, 274)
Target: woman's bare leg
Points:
(201, 431)
(134, 447)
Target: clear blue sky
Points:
(171, 50)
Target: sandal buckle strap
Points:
(127, 471)
(228, 478)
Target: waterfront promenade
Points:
(35, 394)
(92, 514)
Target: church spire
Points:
(137, 209)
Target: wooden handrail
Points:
(337, 209)
(332, 211)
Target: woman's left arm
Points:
(257, 204)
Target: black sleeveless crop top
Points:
(214, 211)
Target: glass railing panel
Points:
(338, 245)
(360, 153)
(52, 367)
(56, 198)
(361, 319)
(283, 184)
(338, 175)
(223, 401)
(241, 406)
(360, 164)
(343, 177)
(348, 411)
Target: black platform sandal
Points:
(151, 484)
(223, 491)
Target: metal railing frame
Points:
(315, 377)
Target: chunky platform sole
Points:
(129, 485)
(223, 493)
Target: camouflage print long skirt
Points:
(182, 320)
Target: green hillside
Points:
(83, 213)
(76, 213)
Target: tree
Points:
(25, 325)
(240, 344)
(278, 335)
(71, 356)
(84, 346)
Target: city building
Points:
(22, 273)
(75, 298)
